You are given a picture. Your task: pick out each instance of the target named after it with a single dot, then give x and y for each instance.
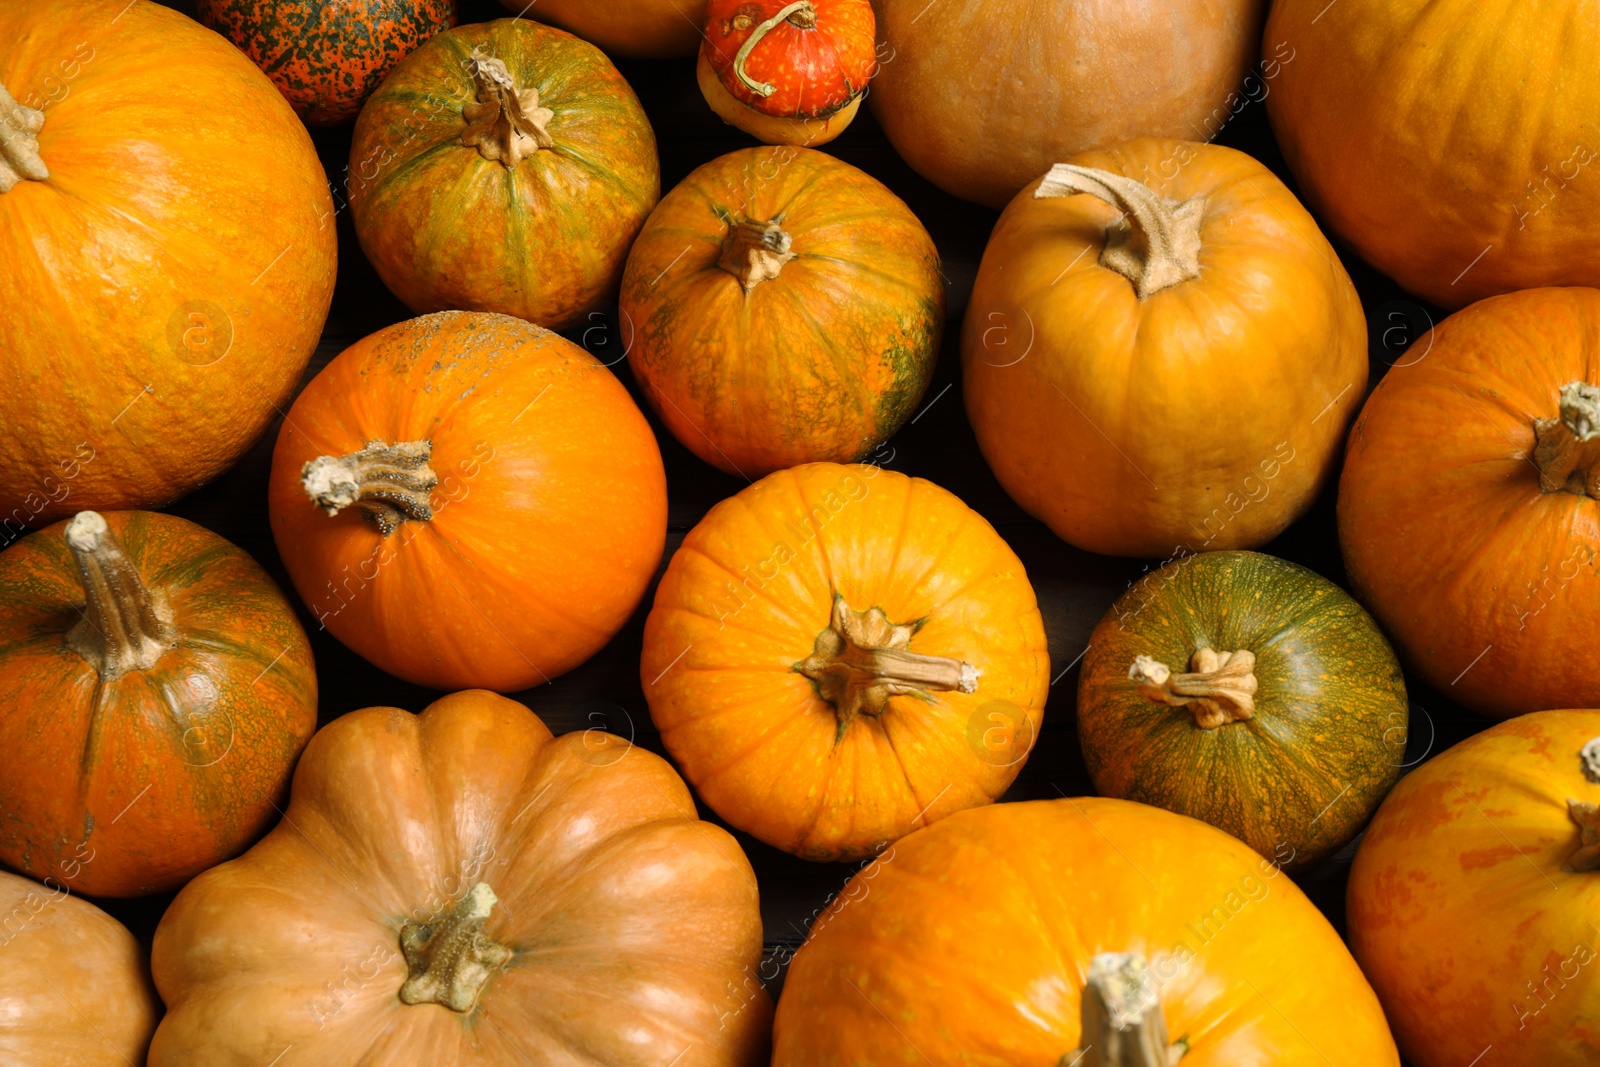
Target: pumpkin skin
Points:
(969, 943)
(726, 643)
(132, 779)
(625, 27)
(456, 214)
(629, 919)
(1463, 906)
(167, 282)
(1301, 773)
(326, 59)
(759, 360)
(1054, 80)
(1251, 368)
(537, 536)
(68, 962)
(1451, 431)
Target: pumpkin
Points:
(786, 308)
(67, 963)
(169, 254)
(840, 654)
(157, 688)
(461, 887)
(1467, 508)
(1162, 352)
(1089, 932)
(625, 27)
(1447, 143)
(1250, 693)
(466, 499)
(503, 167)
(1471, 902)
(981, 98)
(326, 58)
(788, 73)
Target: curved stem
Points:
(802, 13)
(1122, 1025)
(1567, 448)
(506, 124)
(1155, 245)
(1220, 690)
(755, 252)
(19, 143)
(389, 483)
(126, 626)
(451, 959)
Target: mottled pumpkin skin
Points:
(624, 27)
(135, 785)
(821, 363)
(546, 239)
(325, 57)
(1327, 740)
(813, 71)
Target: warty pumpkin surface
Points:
(625, 27)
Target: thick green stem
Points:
(19, 143)
(126, 626)
(1221, 688)
(1155, 245)
(389, 483)
(451, 959)
(1567, 448)
(506, 124)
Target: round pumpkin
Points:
(169, 253)
(1472, 899)
(786, 308)
(624, 27)
(982, 98)
(327, 58)
(460, 887)
(788, 73)
(466, 499)
(1452, 146)
(157, 688)
(1083, 932)
(1247, 692)
(503, 167)
(1468, 507)
(73, 991)
(840, 654)
(1162, 352)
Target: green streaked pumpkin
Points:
(1251, 693)
(503, 166)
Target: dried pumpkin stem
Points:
(755, 252)
(19, 143)
(1587, 815)
(126, 626)
(1567, 448)
(506, 124)
(1221, 688)
(451, 959)
(1122, 1025)
(802, 14)
(389, 483)
(1155, 245)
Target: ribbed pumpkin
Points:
(1248, 692)
(1162, 352)
(326, 58)
(1469, 509)
(459, 888)
(625, 27)
(1472, 899)
(157, 689)
(786, 309)
(468, 500)
(840, 654)
(1075, 933)
(168, 247)
(503, 167)
(1451, 141)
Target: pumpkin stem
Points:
(1155, 245)
(754, 252)
(1121, 1017)
(126, 626)
(1567, 448)
(19, 143)
(802, 14)
(1220, 690)
(506, 124)
(389, 483)
(451, 959)
(860, 661)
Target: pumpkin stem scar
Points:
(506, 125)
(126, 626)
(19, 143)
(1220, 690)
(1155, 245)
(755, 252)
(1567, 448)
(389, 483)
(1587, 816)
(1122, 1025)
(802, 14)
(451, 959)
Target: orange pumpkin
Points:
(157, 690)
(169, 253)
(1472, 898)
(786, 309)
(73, 991)
(840, 654)
(458, 887)
(1162, 352)
(1467, 508)
(1090, 933)
(625, 27)
(466, 499)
